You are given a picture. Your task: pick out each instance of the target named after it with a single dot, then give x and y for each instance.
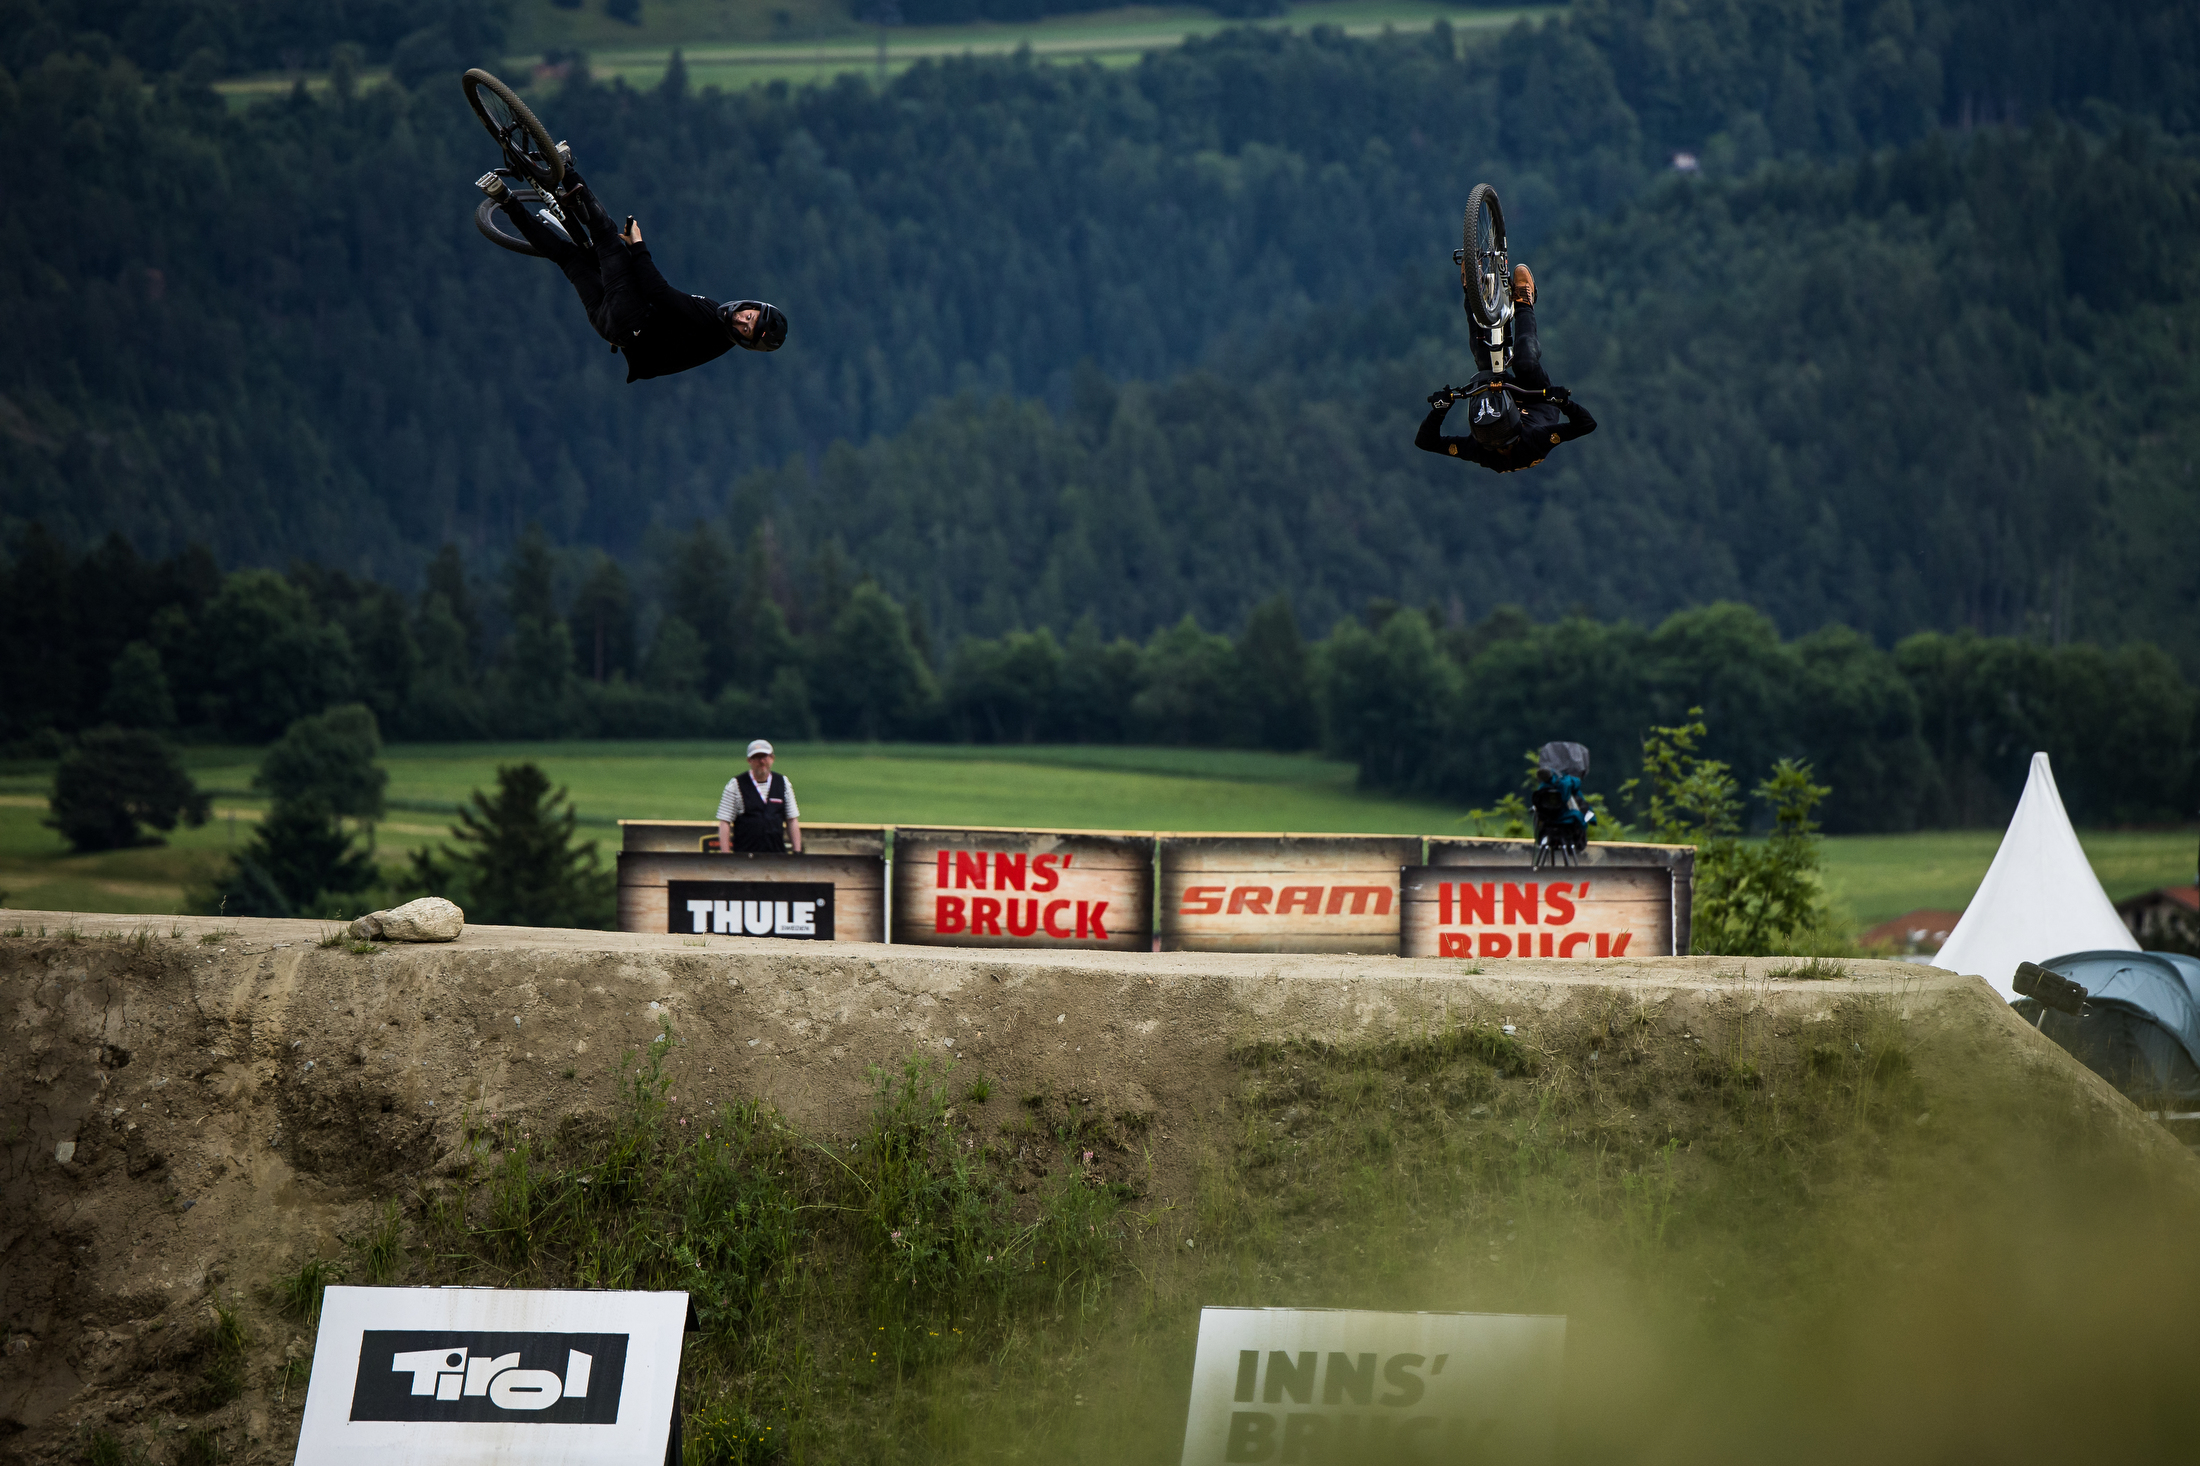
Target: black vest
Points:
(761, 827)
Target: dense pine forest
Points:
(1084, 360)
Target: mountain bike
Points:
(1486, 272)
(533, 168)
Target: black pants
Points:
(1527, 352)
(602, 279)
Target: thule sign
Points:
(456, 1374)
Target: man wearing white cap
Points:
(757, 814)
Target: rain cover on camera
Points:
(1564, 758)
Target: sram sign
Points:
(451, 1375)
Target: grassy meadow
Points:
(731, 45)
(1869, 877)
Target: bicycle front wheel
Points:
(1489, 278)
(526, 142)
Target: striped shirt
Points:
(731, 806)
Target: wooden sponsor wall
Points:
(1023, 888)
(1283, 893)
(701, 836)
(840, 898)
(1483, 899)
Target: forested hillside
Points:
(1939, 730)
(273, 330)
(1950, 386)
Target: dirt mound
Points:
(197, 1108)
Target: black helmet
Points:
(1494, 418)
(771, 325)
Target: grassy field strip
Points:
(1871, 877)
(1114, 35)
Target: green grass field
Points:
(729, 44)
(1870, 877)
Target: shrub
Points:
(116, 781)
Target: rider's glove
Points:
(1441, 397)
(1560, 394)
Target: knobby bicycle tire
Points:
(1486, 302)
(541, 162)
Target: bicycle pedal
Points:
(565, 153)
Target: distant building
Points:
(2165, 920)
(1914, 933)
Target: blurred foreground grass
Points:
(1877, 1231)
(1870, 877)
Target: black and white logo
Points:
(1485, 409)
(453, 1375)
(799, 909)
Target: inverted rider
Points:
(1508, 429)
(659, 329)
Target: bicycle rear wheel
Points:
(526, 142)
(1489, 283)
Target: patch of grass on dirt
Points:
(221, 1376)
(298, 1295)
(831, 1276)
(1816, 969)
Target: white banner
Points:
(1312, 1385)
(458, 1376)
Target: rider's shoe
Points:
(565, 151)
(494, 187)
(1523, 285)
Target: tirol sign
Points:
(1023, 888)
(1498, 911)
(1308, 1385)
(452, 1375)
(448, 1374)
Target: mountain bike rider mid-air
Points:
(1516, 417)
(661, 330)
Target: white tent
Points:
(2040, 898)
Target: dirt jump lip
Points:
(208, 1099)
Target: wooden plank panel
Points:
(1489, 912)
(1023, 888)
(1285, 893)
(858, 886)
(1677, 862)
(687, 836)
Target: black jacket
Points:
(1545, 431)
(679, 330)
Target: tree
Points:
(1749, 899)
(871, 683)
(269, 658)
(137, 690)
(519, 860)
(1276, 671)
(300, 854)
(330, 756)
(602, 622)
(116, 782)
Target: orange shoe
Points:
(1523, 285)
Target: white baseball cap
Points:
(759, 746)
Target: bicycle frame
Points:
(1495, 278)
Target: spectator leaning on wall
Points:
(757, 813)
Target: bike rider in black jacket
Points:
(660, 329)
(1547, 415)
